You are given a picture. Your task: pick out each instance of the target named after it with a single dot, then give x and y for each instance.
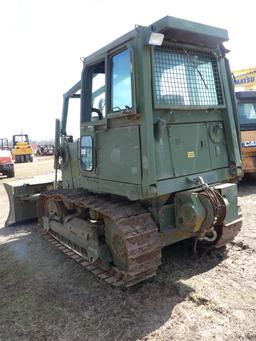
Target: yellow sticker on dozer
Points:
(191, 154)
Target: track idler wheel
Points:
(52, 209)
(55, 210)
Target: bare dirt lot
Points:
(46, 296)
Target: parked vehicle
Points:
(247, 111)
(245, 86)
(6, 163)
(22, 150)
(45, 149)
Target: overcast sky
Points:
(42, 42)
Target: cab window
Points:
(73, 122)
(93, 93)
(98, 92)
(86, 151)
(121, 84)
(247, 113)
(185, 77)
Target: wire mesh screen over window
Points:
(186, 77)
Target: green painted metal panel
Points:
(144, 107)
(189, 148)
(119, 154)
(166, 217)
(173, 23)
(217, 145)
(230, 192)
(131, 191)
(186, 182)
(68, 171)
(164, 162)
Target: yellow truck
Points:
(22, 150)
(245, 86)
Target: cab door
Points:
(110, 145)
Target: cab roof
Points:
(189, 31)
(174, 29)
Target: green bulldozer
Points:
(158, 156)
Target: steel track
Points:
(139, 233)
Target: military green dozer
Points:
(158, 156)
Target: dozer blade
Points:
(23, 196)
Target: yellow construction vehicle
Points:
(245, 85)
(245, 79)
(22, 150)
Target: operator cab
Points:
(20, 138)
(247, 109)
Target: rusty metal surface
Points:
(217, 203)
(229, 232)
(140, 235)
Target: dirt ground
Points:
(46, 296)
